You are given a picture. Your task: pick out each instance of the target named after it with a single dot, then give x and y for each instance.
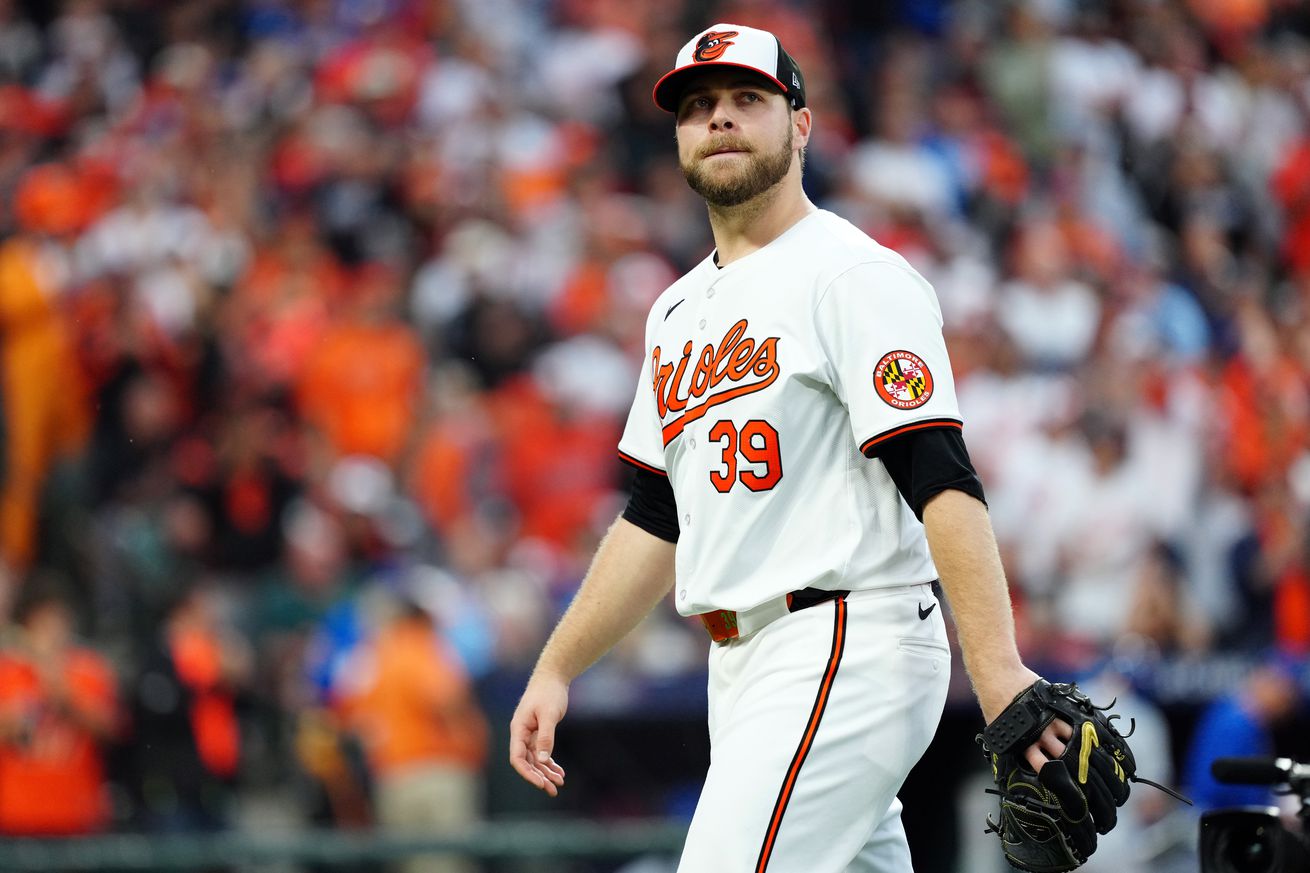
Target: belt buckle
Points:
(721, 623)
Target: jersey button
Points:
(686, 519)
(709, 293)
(682, 595)
(692, 443)
(702, 324)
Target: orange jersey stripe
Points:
(895, 432)
(642, 464)
(807, 739)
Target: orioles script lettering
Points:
(737, 366)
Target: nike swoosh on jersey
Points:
(673, 307)
(924, 613)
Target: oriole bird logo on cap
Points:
(712, 45)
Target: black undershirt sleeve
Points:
(651, 506)
(924, 463)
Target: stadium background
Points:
(320, 316)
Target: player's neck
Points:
(750, 226)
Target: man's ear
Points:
(802, 120)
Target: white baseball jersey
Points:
(763, 383)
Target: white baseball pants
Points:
(815, 721)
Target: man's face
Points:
(734, 136)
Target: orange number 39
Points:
(757, 442)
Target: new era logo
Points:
(795, 80)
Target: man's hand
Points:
(632, 571)
(532, 732)
(995, 693)
(1050, 815)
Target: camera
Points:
(1253, 839)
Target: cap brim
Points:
(669, 88)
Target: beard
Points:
(761, 171)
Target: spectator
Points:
(894, 170)
(1158, 612)
(20, 44)
(361, 384)
(280, 309)
(1240, 724)
(1092, 578)
(424, 734)
(315, 578)
(58, 710)
(1158, 318)
(1292, 596)
(42, 426)
(251, 479)
(1050, 315)
(188, 743)
(1015, 74)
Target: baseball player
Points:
(795, 433)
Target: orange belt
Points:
(722, 624)
(728, 624)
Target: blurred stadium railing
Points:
(492, 841)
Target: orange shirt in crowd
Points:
(45, 410)
(452, 464)
(52, 779)
(361, 388)
(559, 462)
(1292, 611)
(282, 307)
(1290, 185)
(416, 706)
(198, 661)
(1265, 431)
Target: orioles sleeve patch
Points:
(902, 380)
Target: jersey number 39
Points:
(757, 442)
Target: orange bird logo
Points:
(712, 45)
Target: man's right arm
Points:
(631, 573)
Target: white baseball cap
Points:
(732, 45)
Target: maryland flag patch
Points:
(902, 380)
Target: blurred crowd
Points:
(319, 320)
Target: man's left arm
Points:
(968, 562)
(881, 319)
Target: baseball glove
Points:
(1049, 820)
